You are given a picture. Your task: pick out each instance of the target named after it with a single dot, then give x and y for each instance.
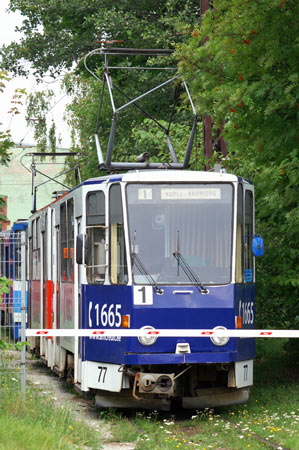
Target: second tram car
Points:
(10, 267)
(155, 249)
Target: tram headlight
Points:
(219, 340)
(147, 340)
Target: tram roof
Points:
(167, 176)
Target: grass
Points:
(272, 413)
(37, 424)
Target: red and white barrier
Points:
(241, 333)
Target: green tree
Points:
(5, 137)
(5, 140)
(79, 24)
(38, 106)
(243, 68)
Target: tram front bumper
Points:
(181, 358)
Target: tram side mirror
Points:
(257, 246)
(82, 249)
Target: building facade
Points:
(16, 182)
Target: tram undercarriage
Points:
(192, 387)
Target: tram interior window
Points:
(67, 241)
(248, 230)
(239, 250)
(118, 263)
(95, 207)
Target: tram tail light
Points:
(125, 321)
(238, 322)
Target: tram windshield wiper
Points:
(187, 269)
(140, 266)
(189, 272)
(142, 269)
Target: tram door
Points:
(244, 257)
(249, 308)
(45, 323)
(44, 278)
(79, 294)
(78, 311)
(57, 281)
(67, 280)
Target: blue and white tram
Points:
(10, 257)
(156, 249)
(5, 273)
(16, 272)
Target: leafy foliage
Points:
(38, 106)
(5, 137)
(247, 73)
(4, 289)
(4, 285)
(80, 24)
(152, 138)
(243, 68)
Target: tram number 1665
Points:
(246, 311)
(104, 315)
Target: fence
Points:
(12, 311)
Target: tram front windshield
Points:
(190, 220)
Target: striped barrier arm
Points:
(240, 333)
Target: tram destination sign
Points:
(190, 193)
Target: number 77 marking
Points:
(103, 370)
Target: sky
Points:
(19, 129)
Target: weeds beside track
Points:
(269, 420)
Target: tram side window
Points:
(29, 258)
(118, 263)
(67, 240)
(36, 249)
(239, 246)
(248, 235)
(17, 254)
(96, 230)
